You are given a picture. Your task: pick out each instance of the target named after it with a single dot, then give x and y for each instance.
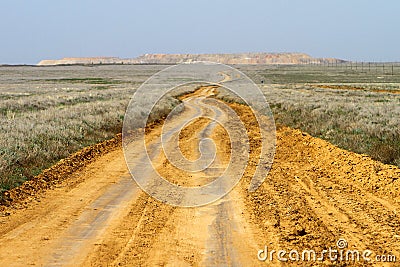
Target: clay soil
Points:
(88, 210)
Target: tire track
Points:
(314, 194)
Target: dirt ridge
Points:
(314, 194)
(57, 173)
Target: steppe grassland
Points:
(355, 107)
(47, 113)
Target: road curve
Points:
(314, 195)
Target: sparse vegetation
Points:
(48, 113)
(360, 121)
(44, 118)
(352, 108)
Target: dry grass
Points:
(350, 106)
(361, 121)
(49, 113)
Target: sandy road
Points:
(314, 195)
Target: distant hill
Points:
(240, 58)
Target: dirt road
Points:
(314, 195)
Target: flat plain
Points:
(318, 191)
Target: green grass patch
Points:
(89, 80)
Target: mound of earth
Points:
(239, 58)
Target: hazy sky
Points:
(366, 30)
